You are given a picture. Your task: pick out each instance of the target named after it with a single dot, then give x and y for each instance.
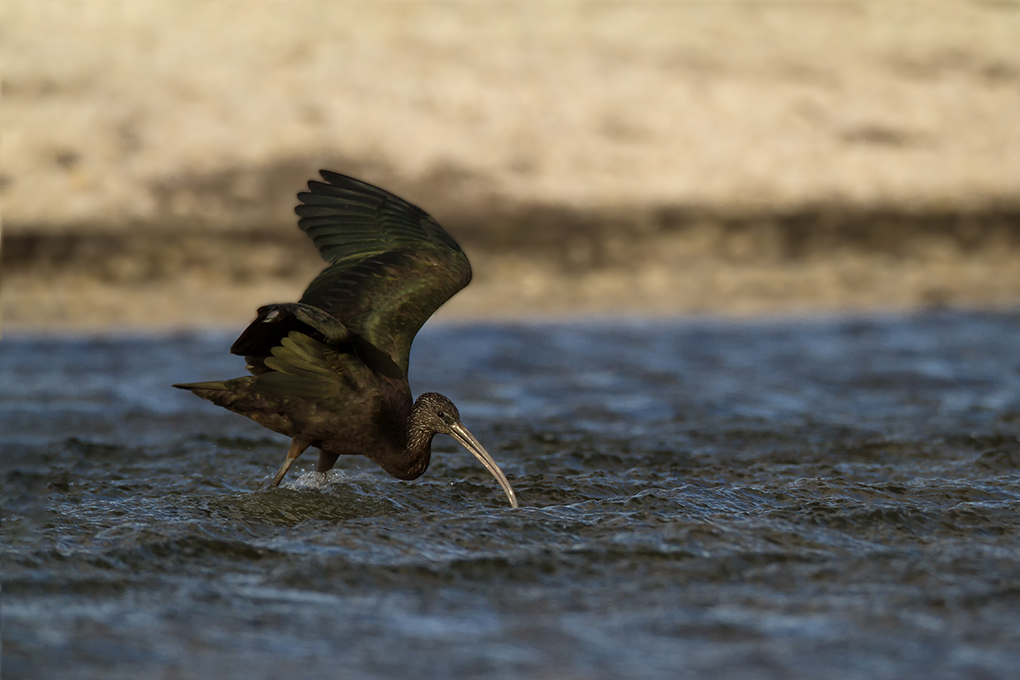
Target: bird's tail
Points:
(219, 392)
(194, 387)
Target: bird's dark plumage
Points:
(330, 371)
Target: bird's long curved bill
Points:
(468, 441)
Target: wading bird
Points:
(330, 371)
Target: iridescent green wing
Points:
(302, 367)
(391, 265)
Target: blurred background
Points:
(643, 158)
(833, 495)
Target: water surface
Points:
(832, 498)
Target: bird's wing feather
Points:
(300, 366)
(391, 265)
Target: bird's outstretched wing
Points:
(391, 265)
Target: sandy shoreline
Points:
(72, 305)
(592, 157)
(142, 112)
(95, 284)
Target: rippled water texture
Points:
(829, 498)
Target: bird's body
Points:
(330, 371)
(368, 416)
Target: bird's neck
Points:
(412, 454)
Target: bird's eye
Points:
(441, 415)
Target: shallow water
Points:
(833, 498)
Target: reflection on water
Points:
(814, 498)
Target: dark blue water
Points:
(834, 498)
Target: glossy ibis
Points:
(330, 371)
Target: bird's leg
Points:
(326, 461)
(297, 447)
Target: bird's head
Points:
(436, 413)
